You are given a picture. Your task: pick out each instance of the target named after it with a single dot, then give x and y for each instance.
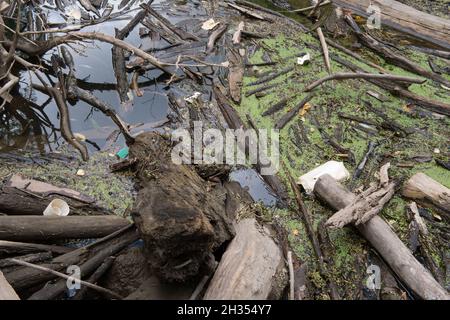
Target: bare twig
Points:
(291, 276)
(350, 75)
(199, 288)
(326, 55)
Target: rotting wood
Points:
(247, 12)
(385, 241)
(276, 107)
(325, 52)
(179, 234)
(271, 76)
(14, 201)
(124, 45)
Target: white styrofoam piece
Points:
(334, 168)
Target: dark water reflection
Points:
(93, 62)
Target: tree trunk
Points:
(386, 242)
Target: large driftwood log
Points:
(179, 218)
(422, 188)
(6, 291)
(385, 241)
(44, 228)
(405, 18)
(250, 267)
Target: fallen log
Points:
(421, 187)
(6, 291)
(404, 18)
(250, 268)
(385, 241)
(11, 247)
(33, 257)
(46, 228)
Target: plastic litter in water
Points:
(57, 207)
(122, 153)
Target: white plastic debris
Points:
(73, 12)
(436, 150)
(334, 168)
(193, 98)
(57, 207)
(304, 59)
(81, 172)
(209, 24)
(79, 136)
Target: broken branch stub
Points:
(421, 187)
(366, 205)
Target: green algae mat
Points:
(338, 123)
